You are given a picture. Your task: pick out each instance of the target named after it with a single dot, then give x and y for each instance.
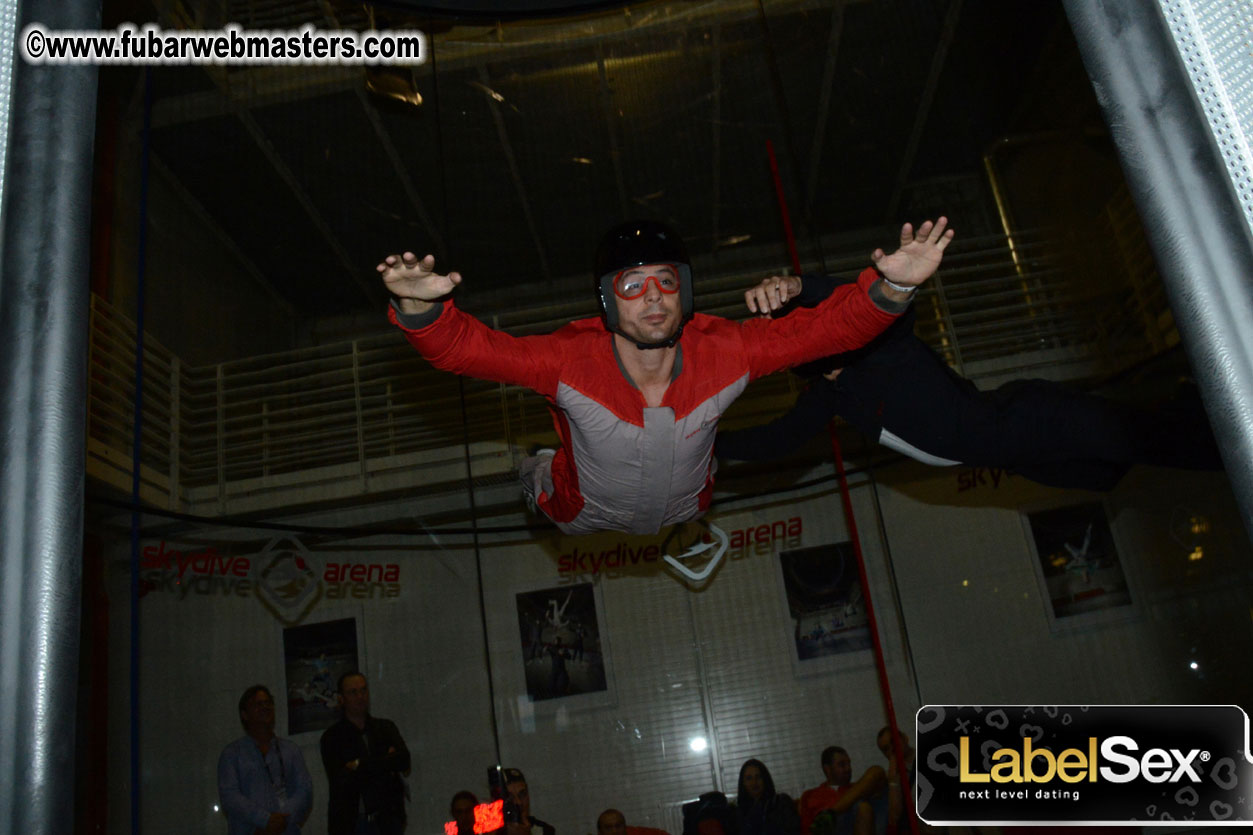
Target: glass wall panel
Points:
(316, 498)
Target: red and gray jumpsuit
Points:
(623, 465)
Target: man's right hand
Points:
(772, 293)
(414, 281)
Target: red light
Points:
(450, 828)
(488, 817)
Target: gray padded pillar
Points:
(43, 338)
(1191, 206)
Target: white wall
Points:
(736, 636)
(976, 616)
(715, 663)
(422, 651)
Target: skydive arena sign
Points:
(1135, 765)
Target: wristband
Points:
(900, 288)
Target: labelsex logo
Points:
(1156, 765)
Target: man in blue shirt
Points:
(262, 780)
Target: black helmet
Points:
(631, 244)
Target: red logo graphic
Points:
(287, 587)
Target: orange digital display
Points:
(488, 817)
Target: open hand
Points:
(919, 254)
(772, 293)
(415, 279)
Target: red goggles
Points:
(633, 283)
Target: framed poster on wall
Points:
(1082, 577)
(315, 655)
(826, 607)
(563, 653)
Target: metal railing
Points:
(370, 416)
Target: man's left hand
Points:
(919, 254)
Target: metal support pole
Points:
(176, 430)
(1196, 227)
(364, 471)
(44, 312)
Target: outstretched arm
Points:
(853, 315)
(414, 282)
(917, 259)
(452, 340)
(913, 263)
